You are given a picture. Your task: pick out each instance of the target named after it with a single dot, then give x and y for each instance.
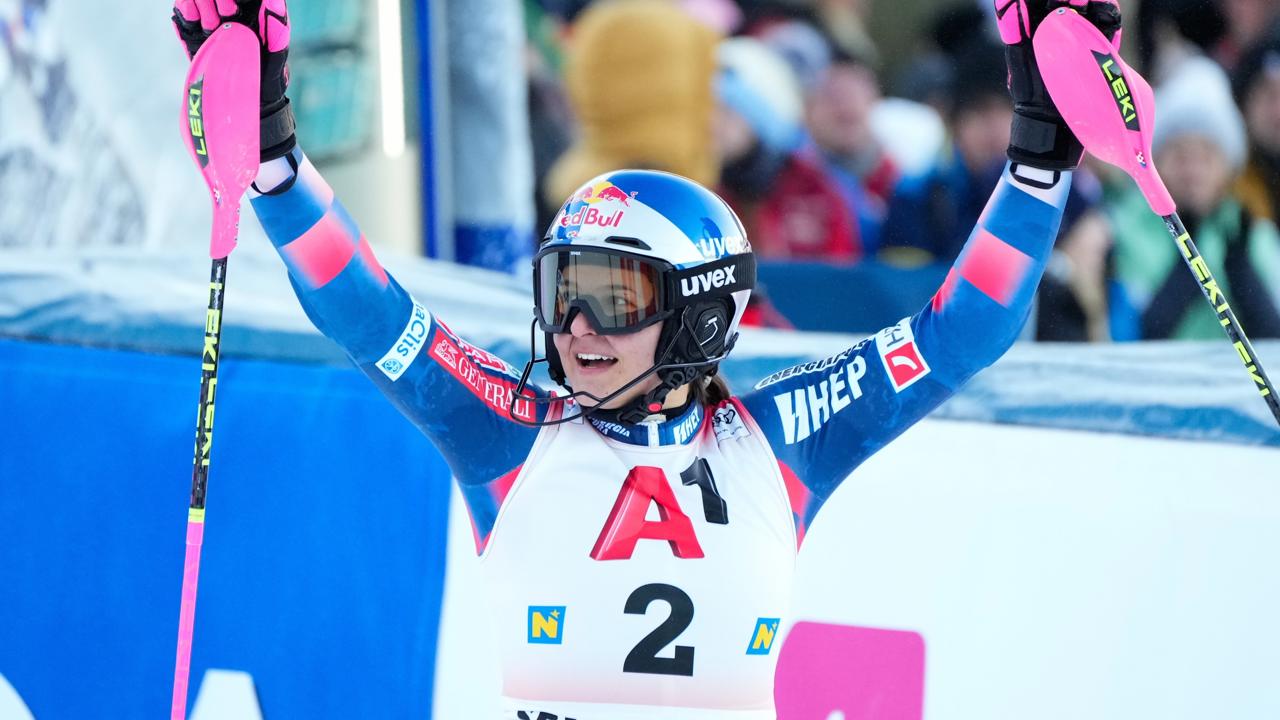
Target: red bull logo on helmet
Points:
(603, 191)
(589, 216)
(595, 205)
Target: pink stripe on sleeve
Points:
(319, 254)
(993, 266)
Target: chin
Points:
(604, 389)
(585, 402)
(600, 393)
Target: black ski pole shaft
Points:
(1226, 317)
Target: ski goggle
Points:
(616, 293)
(620, 292)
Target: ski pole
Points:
(1111, 109)
(220, 129)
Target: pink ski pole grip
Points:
(220, 124)
(1107, 104)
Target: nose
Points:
(579, 326)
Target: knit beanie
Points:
(804, 48)
(1196, 100)
(640, 75)
(759, 85)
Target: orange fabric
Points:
(1251, 189)
(640, 77)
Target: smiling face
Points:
(600, 364)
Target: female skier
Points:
(639, 285)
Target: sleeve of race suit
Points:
(454, 392)
(825, 418)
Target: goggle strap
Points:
(720, 278)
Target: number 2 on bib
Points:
(643, 658)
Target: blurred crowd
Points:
(785, 108)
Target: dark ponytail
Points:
(711, 390)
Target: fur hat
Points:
(640, 77)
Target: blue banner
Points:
(324, 546)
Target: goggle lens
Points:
(615, 292)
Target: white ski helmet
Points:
(668, 250)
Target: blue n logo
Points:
(546, 624)
(762, 638)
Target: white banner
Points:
(90, 155)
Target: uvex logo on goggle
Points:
(699, 284)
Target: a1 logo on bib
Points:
(627, 523)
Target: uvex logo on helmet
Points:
(712, 279)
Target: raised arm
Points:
(457, 394)
(453, 391)
(826, 418)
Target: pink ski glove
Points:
(1040, 138)
(269, 19)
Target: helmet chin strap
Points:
(652, 402)
(670, 375)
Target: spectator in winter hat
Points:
(839, 109)
(802, 45)
(640, 77)
(1199, 146)
(1257, 90)
(791, 207)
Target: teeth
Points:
(591, 356)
